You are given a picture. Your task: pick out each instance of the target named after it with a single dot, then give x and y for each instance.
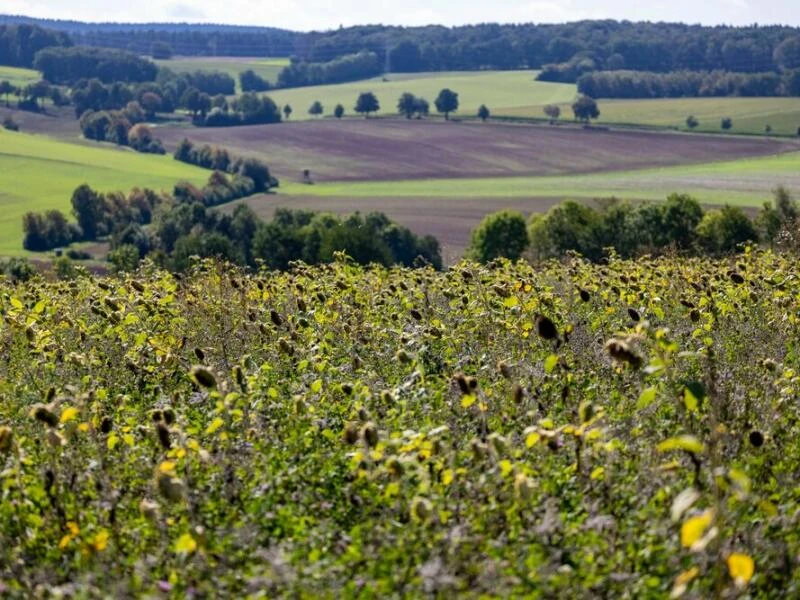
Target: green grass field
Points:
(268, 68)
(496, 89)
(750, 115)
(38, 173)
(18, 77)
(740, 182)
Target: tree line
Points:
(633, 84)
(679, 224)
(351, 67)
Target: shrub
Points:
(502, 234)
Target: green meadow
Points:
(268, 68)
(39, 173)
(496, 89)
(18, 77)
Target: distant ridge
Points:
(83, 26)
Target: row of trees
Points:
(351, 67)
(631, 84)
(115, 126)
(679, 224)
(219, 159)
(69, 64)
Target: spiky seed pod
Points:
(201, 356)
(756, 439)
(169, 415)
(523, 488)
(546, 328)
(585, 295)
(46, 414)
(350, 433)
(504, 369)
(462, 382)
(275, 318)
(171, 488)
(163, 435)
(421, 509)
(499, 444)
(203, 376)
(518, 393)
(149, 509)
(416, 314)
(6, 439)
(586, 411)
(370, 434)
(770, 364)
(634, 315)
(106, 425)
(620, 351)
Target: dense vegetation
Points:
(20, 43)
(351, 67)
(68, 65)
(564, 430)
(632, 84)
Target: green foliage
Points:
(316, 109)
(500, 235)
(367, 103)
(722, 231)
(483, 113)
(726, 123)
(585, 109)
(338, 112)
(446, 102)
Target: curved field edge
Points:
(340, 431)
(746, 182)
(38, 173)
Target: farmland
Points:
(38, 173)
(749, 115)
(496, 89)
(268, 68)
(18, 77)
(566, 430)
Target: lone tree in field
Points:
(446, 102)
(367, 103)
(501, 234)
(421, 107)
(553, 112)
(483, 113)
(407, 105)
(316, 109)
(726, 123)
(6, 89)
(287, 111)
(338, 112)
(692, 122)
(585, 109)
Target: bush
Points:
(10, 124)
(721, 231)
(501, 234)
(141, 139)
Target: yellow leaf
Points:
(689, 443)
(550, 363)
(64, 542)
(597, 473)
(467, 401)
(185, 544)
(316, 387)
(511, 302)
(83, 427)
(166, 467)
(532, 438)
(112, 441)
(100, 540)
(215, 425)
(646, 398)
(128, 439)
(506, 467)
(741, 567)
(682, 581)
(73, 528)
(68, 414)
(694, 528)
(447, 476)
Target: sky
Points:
(304, 15)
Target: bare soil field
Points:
(57, 122)
(449, 220)
(399, 149)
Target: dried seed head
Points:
(756, 438)
(51, 394)
(275, 318)
(156, 415)
(546, 328)
(416, 314)
(203, 376)
(163, 435)
(518, 393)
(403, 356)
(479, 449)
(472, 384)
(201, 356)
(347, 389)
(395, 467)
(370, 434)
(106, 424)
(350, 433)
(55, 439)
(46, 414)
(585, 295)
(462, 382)
(149, 509)
(736, 278)
(694, 315)
(621, 351)
(586, 411)
(634, 315)
(421, 508)
(504, 369)
(171, 488)
(499, 444)
(6, 439)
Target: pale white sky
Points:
(327, 14)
